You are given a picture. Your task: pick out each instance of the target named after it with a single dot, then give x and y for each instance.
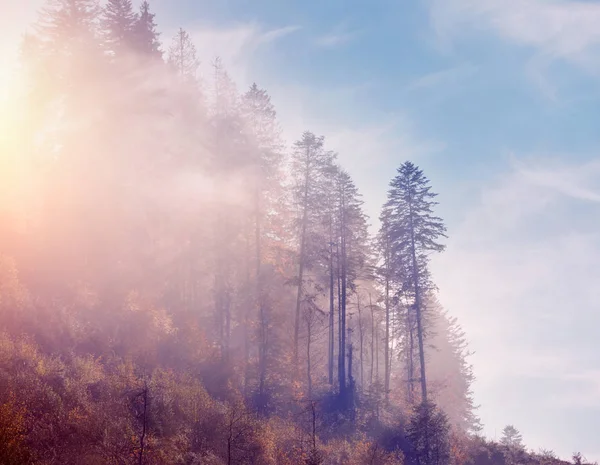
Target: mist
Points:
(180, 285)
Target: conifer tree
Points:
(183, 56)
(511, 437)
(68, 24)
(146, 36)
(264, 172)
(311, 165)
(448, 369)
(412, 231)
(119, 22)
(352, 239)
(428, 432)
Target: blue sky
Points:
(498, 101)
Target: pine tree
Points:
(229, 147)
(183, 56)
(68, 26)
(311, 166)
(511, 437)
(146, 36)
(448, 369)
(412, 231)
(352, 239)
(264, 173)
(429, 434)
(119, 23)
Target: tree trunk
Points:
(411, 357)
(387, 324)
(262, 344)
(344, 284)
(415, 268)
(308, 361)
(361, 341)
(301, 259)
(372, 339)
(341, 349)
(331, 308)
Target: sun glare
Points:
(7, 89)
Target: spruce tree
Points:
(411, 232)
(311, 167)
(511, 437)
(352, 238)
(68, 25)
(183, 57)
(146, 36)
(119, 22)
(429, 434)
(263, 134)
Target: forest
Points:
(179, 285)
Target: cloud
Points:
(443, 77)
(553, 30)
(334, 40)
(583, 392)
(520, 272)
(560, 28)
(337, 37)
(275, 34)
(237, 45)
(580, 182)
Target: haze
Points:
(161, 210)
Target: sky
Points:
(498, 101)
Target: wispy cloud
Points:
(443, 77)
(521, 274)
(337, 37)
(236, 44)
(554, 30)
(579, 182)
(561, 28)
(275, 34)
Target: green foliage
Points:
(511, 437)
(429, 434)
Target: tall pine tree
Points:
(146, 36)
(119, 22)
(412, 232)
(183, 56)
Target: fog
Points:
(178, 284)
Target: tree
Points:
(511, 437)
(385, 272)
(13, 434)
(146, 37)
(183, 56)
(352, 256)
(119, 24)
(429, 434)
(310, 167)
(448, 370)
(411, 232)
(67, 25)
(264, 172)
